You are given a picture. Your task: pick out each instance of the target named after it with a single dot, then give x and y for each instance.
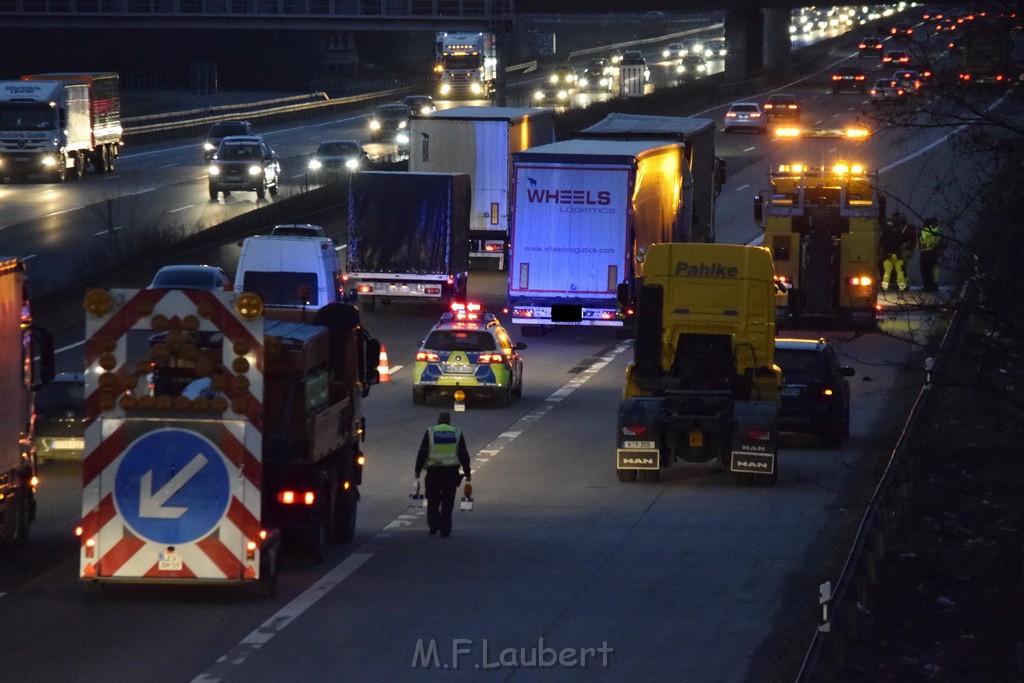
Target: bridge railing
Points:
(339, 9)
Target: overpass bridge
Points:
(752, 29)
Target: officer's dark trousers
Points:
(441, 485)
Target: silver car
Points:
(745, 116)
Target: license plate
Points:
(696, 439)
(67, 444)
(458, 368)
(638, 444)
(790, 391)
(169, 562)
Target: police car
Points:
(468, 349)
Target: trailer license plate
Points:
(696, 439)
(638, 444)
(67, 444)
(169, 562)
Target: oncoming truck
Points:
(217, 437)
(821, 224)
(703, 384)
(56, 124)
(468, 65)
(584, 213)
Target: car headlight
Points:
(562, 94)
(476, 88)
(402, 138)
(352, 164)
(403, 124)
(680, 69)
(255, 170)
(49, 162)
(374, 124)
(445, 88)
(315, 164)
(209, 146)
(214, 170)
(538, 95)
(553, 78)
(424, 111)
(666, 54)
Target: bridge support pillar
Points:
(744, 34)
(777, 45)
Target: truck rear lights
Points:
(427, 357)
(492, 247)
(860, 281)
(757, 435)
(90, 547)
(250, 550)
(364, 289)
(607, 315)
(361, 460)
(638, 430)
(432, 290)
(490, 358)
(289, 497)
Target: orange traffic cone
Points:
(382, 365)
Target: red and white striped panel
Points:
(110, 546)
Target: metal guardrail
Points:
(826, 655)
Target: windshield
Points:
(56, 398)
(27, 116)
(800, 367)
(200, 278)
(339, 149)
(462, 62)
(239, 152)
(459, 340)
(283, 289)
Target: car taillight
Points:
(427, 357)
(794, 106)
(860, 78)
(490, 358)
(860, 281)
(827, 391)
(836, 77)
(755, 115)
(769, 106)
(730, 114)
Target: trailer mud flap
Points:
(639, 431)
(755, 437)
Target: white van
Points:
(290, 271)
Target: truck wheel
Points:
(419, 396)
(214, 192)
(345, 521)
(626, 476)
(266, 585)
(61, 172)
(79, 169)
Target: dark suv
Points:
(221, 130)
(849, 78)
(60, 418)
(782, 107)
(815, 389)
(245, 163)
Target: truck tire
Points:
(61, 172)
(518, 391)
(345, 521)
(111, 155)
(79, 170)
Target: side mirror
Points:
(42, 344)
(759, 210)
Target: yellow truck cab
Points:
(703, 384)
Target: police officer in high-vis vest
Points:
(442, 452)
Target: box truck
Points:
(480, 141)
(584, 214)
(408, 237)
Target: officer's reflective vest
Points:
(929, 237)
(444, 446)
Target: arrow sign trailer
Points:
(172, 486)
(151, 505)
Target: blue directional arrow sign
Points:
(172, 486)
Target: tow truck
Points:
(821, 224)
